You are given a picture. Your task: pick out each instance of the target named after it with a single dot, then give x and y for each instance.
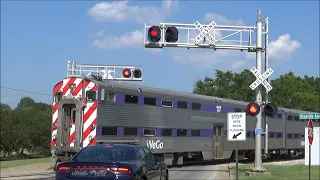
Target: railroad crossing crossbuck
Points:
(204, 32)
(261, 79)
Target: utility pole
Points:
(258, 159)
(266, 66)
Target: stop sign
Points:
(310, 131)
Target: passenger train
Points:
(177, 126)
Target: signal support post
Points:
(237, 131)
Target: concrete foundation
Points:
(257, 173)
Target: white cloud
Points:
(283, 47)
(280, 49)
(222, 20)
(122, 11)
(130, 39)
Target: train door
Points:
(69, 128)
(67, 120)
(218, 141)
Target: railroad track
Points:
(226, 161)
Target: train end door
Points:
(218, 140)
(69, 129)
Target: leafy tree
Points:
(289, 91)
(25, 102)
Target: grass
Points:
(13, 163)
(280, 172)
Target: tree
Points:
(27, 127)
(25, 102)
(289, 91)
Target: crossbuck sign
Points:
(204, 32)
(261, 79)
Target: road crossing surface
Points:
(208, 172)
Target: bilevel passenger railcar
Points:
(177, 126)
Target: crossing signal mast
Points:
(105, 72)
(213, 36)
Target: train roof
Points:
(182, 94)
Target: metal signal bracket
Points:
(101, 72)
(209, 36)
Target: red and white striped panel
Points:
(64, 88)
(90, 118)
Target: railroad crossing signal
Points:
(154, 34)
(204, 32)
(253, 109)
(310, 131)
(261, 79)
(171, 34)
(109, 72)
(127, 73)
(167, 35)
(270, 109)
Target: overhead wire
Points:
(20, 90)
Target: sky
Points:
(39, 37)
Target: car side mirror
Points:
(157, 159)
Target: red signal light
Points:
(253, 109)
(126, 73)
(154, 34)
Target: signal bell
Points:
(253, 109)
(270, 109)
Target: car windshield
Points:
(107, 153)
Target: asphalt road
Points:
(184, 173)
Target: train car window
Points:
(73, 115)
(289, 135)
(109, 131)
(129, 131)
(296, 135)
(181, 132)
(271, 134)
(289, 117)
(301, 135)
(296, 118)
(57, 97)
(279, 116)
(91, 95)
(182, 105)
(279, 135)
(237, 110)
(196, 106)
(248, 134)
(166, 132)
(150, 101)
(131, 99)
(110, 97)
(166, 103)
(195, 132)
(149, 132)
